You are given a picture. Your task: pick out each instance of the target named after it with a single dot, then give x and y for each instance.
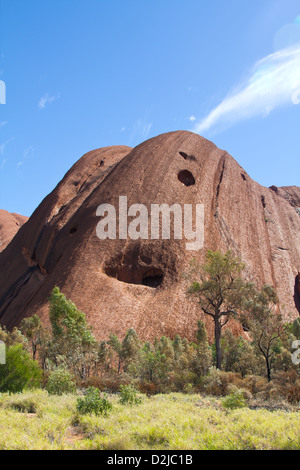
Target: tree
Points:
(265, 324)
(12, 337)
(151, 362)
(72, 336)
(60, 381)
(130, 348)
(32, 328)
(219, 291)
(238, 354)
(116, 348)
(19, 371)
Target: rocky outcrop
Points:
(9, 225)
(140, 283)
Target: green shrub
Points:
(129, 395)
(94, 402)
(218, 382)
(189, 388)
(60, 381)
(19, 371)
(234, 400)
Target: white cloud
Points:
(47, 99)
(273, 83)
(141, 129)
(28, 151)
(192, 118)
(2, 146)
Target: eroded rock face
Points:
(9, 225)
(125, 283)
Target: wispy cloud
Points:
(47, 99)
(273, 82)
(28, 151)
(140, 130)
(2, 146)
(3, 123)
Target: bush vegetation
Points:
(94, 403)
(67, 355)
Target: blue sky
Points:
(84, 74)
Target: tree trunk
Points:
(268, 369)
(218, 343)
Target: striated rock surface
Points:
(125, 283)
(9, 225)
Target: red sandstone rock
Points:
(9, 225)
(139, 283)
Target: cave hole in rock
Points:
(73, 230)
(243, 176)
(153, 277)
(263, 201)
(186, 177)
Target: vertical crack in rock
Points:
(218, 187)
(222, 225)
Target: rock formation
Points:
(9, 225)
(125, 283)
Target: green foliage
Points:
(71, 336)
(60, 381)
(20, 371)
(12, 337)
(26, 405)
(238, 354)
(265, 323)
(234, 400)
(219, 291)
(128, 395)
(165, 422)
(94, 403)
(296, 328)
(33, 330)
(67, 321)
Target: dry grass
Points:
(174, 421)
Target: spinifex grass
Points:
(174, 421)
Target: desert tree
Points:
(72, 338)
(218, 288)
(34, 331)
(264, 320)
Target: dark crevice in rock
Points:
(297, 292)
(263, 201)
(187, 157)
(14, 290)
(218, 188)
